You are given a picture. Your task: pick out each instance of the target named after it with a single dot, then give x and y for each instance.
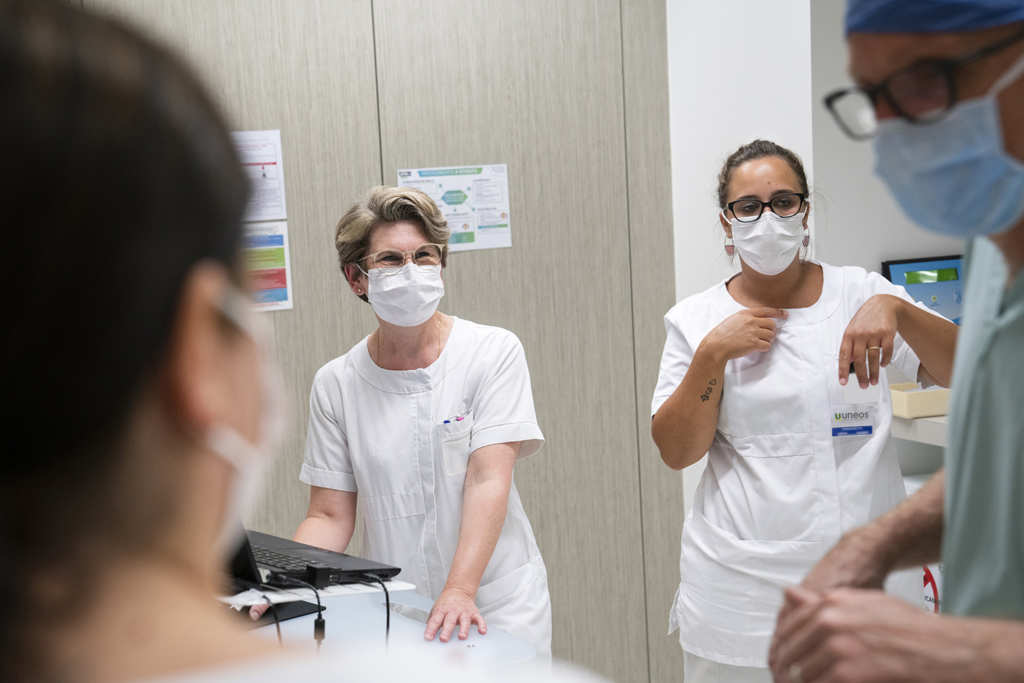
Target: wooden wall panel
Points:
(648, 164)
(305, 67)
(471, 81)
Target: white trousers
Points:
(699, 670)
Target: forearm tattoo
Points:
(708, 390)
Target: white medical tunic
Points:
(796, 461)
(402, 440)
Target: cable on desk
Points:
(277, 621)
(319, 624)
(371, 580)
(273, 608)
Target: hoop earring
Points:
(729, 248)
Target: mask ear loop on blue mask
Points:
(1009, 77)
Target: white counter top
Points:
(930, 430)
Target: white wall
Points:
(727, 61)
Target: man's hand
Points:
(854, 562)
(852, 635)
(454, 607)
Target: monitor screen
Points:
(920, 277)
(934, 281)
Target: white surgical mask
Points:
(769, 244)
(251, 461)
(406, 296)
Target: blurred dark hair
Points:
(758, 149)
(118, 176)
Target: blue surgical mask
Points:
(954, 176)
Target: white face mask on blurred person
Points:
(250, 461)
(406, 296)
(769, 244)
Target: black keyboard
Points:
(277, 560)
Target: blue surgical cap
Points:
(930, 16)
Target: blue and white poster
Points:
(473, 199)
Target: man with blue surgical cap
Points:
(940, 90)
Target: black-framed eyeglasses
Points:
(920, 93)
(784, 205)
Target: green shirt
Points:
(983, 544)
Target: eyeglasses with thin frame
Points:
(392, 260)
(920, 93)
(784, 205)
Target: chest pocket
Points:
(764, 393)
(455, 442)
(853, 412)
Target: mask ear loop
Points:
(239, 309)
(360, 291)
(1008, 77)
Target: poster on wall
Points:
(268, 264)
(473, 199)
(268, 261)
(260, 151)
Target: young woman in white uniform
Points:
(756, 373)
(422, 423)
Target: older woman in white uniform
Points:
(422, 423)
(756, 373)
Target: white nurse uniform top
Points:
(402, 440)
(796, 461)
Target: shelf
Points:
(930, 430)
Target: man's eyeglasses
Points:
(784, 205)
(920, 93)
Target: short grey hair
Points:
(381, 205)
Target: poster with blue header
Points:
(473, 199)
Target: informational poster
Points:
(260, 151)
(473, 199)
(268, 261)
(268, 264)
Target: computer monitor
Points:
(935, 281)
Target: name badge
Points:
(852, 394)
(854, 420)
